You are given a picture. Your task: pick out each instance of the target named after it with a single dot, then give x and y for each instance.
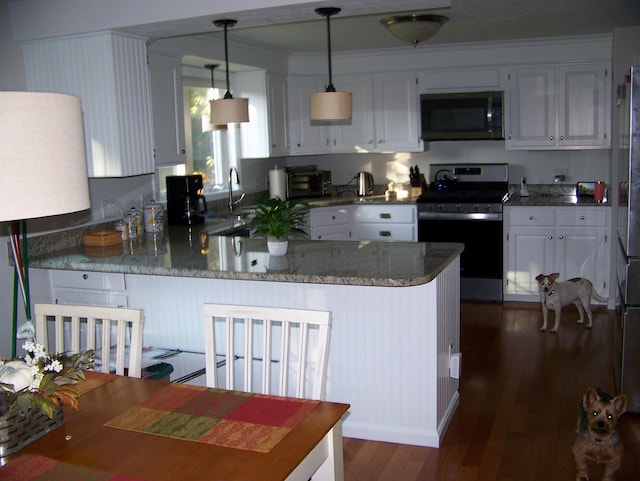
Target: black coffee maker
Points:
(185, 202)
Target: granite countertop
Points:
(551, 195)
(194, 252)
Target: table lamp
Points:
(43, 172)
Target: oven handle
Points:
(492, 216)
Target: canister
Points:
(153, 217)
(137, 215)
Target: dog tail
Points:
(597, 296)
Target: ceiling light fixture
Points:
(207, 126)
(330, 105)
(414, 28)
(228, 110)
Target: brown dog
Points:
(555, 295)
(598, 436)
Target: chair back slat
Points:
(69, 320)
(299, 338)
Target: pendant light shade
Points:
(414, 28)
(207, 126)
(330, 105)
(228, 110)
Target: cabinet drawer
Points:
(531, 217)
(90, 298)
(594, 217)
(325, 216)
(386, 232)
(88, 280)
(386, 213)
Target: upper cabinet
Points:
(385, 116)
(559, 107)
(265, 135)
(108, 71)
(165, 74)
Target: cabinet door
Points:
(531, 108)
(582, 109)
(278, 128)
(358, 134)
(396, 105)
(582, 253)
(168, 114)
(530, 252)
(306, 137)
(330, 223)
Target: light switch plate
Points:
(454, 365)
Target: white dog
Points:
(555, 295)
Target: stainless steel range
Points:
(464, 204)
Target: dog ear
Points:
(540, 278)
(554, 276)
(620, 404)
(590, 396)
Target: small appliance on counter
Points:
(365, 183)
(307, 181)
(185, 202)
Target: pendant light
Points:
(207, 126)
(228, 110)
(330, 105)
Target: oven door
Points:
(481, 268)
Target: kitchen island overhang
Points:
(395, 307)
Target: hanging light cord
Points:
(226, 61)
(330, 87)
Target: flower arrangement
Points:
(42, 380)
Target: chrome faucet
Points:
(233, 203)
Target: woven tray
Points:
(19, 429)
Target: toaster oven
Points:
(303, 182)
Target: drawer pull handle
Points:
(384, 215)
(385, 233)
(85, 276)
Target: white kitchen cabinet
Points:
(386, 222)
(88, 288)
(165, 73)
(265, 135)
(108, 71)
(559, 107)
(385, 116)
(331, 223)
(540, 240)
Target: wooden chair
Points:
(290, 346)
(86, 325)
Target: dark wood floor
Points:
(519, 396)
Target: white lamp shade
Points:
(207, 126)
(226, 111)
(43, 168)
(330, 106)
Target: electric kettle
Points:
(365, 183)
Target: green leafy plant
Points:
(42, 380)
(277, 218)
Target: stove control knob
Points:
(459, 207)
(441, 207)
(476, 208)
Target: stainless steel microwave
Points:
(462, 116)
(305, 182)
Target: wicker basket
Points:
(18, 429)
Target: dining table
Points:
(310, 447)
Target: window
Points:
(210, 153)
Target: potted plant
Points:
(277, 219)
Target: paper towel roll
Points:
(277, 183)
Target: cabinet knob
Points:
(372, 142)
(562, 137)
(551, 138)
(182, 151)
(581, 217)
(333, 217)
(85, 276)
(530, 217)
(550, 237)
(561, 237)
(381, 141)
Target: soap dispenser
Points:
(524, 192)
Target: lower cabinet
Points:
(573, 241)
(386, 222)
(88, 288)
(330, 223)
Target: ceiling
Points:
(298, 29)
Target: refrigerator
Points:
(627, 345)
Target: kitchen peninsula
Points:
(395, 308)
